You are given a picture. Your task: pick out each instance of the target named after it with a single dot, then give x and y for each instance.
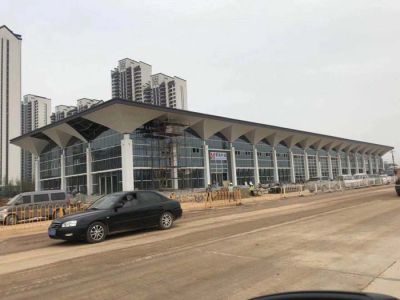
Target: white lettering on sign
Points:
(218, 155)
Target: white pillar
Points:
(37, 173)
(292, 172)
(364, 164)
(62, 169)
(233, 165)
(371, 169)
(377, 164)
(306, 170)
(256, 169)
(174, 174)
(275, 161)
(127, 163)
(89, 179)
(357, 166)
(330, 171)
(319, 171)
(348, 163)
(339, 160)
(207, 179)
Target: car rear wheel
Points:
(96, 232)
(11, 220)
(166, 220)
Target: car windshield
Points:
(13, 200)
(105, 202)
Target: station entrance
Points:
(219, 167)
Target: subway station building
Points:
(125, 145)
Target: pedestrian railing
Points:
(215, 198)
(24, 214)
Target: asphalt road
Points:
(346, 241)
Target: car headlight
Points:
(3, 211)
(69, 224)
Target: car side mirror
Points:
(118, 205)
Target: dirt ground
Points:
(345, 241)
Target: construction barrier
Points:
(16, 216)
(215, 198)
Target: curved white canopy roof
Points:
(126, 116)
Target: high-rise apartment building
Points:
(35, 113)
(132, 80)
(10, 104)
(86, 103)
(63, 111)
(169, 91)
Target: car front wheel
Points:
(11, 220)
(166, 220)
(96, 232)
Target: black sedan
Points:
(116, 213)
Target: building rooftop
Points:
(117, 114)
(18, 36)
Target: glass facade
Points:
(360, 163)
(299, 171)
(335, 166)
(343, 159)
(282, 157)
(77, 184)
(244, 161)
(312, 166)
(75, 157)
(323, 160)
(352, 163)
(161, 160)
(265, 162)
(220, 159)
(106, 151)
(50, 162)
(107, 182)
(176, 160)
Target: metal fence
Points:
(16, 216)
(215, 198)
(337, 185)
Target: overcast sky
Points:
(330, 67)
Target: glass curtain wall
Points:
(220, 159)
(190, 151)
(244, 161)
(343, 158)
(323, 160)
(352, 163)
(335, 164)
(312, 163)
(298, 161)
(75, 166)
(282, 157)
(360, 163)
(265, 162)
(106, 156)
(50, 167)
(156, 157)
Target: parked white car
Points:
(386, 179)
(355, 181)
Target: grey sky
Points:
(330, 67)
